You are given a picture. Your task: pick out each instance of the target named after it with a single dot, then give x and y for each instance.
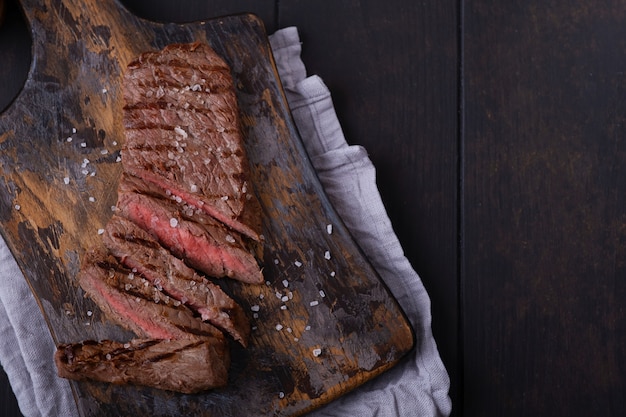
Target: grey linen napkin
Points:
(416, 387)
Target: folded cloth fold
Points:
(418, 386)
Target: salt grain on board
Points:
(329, 229)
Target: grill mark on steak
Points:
(169, 89)
(139, 250)
(187, 365)
(206, 246)
(136, 312)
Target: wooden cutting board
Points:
(321, 326)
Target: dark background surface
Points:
(498, 132)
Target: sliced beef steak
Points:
(184, 365)
(182, 132)
(134, 303)
(210, 248)
(140, 251)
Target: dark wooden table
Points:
(498, 128)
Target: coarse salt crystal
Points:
(108, 356)
(180, 132)
(329, 229)
(261, 296)
(281, 395)
(276, 261)
(118, 159)
(114, 143)
(284, 298)
(285, 283)
(92, 199)
(298, 264)
(173, 222)
(104, 151)
(230, 239)
(322, 293)
(104, 91)
(317, 352)
(89, 313)
(83, 145)
(194, 188)
(66, 180)
(307, 328)
(327, 254)
(283, 307)
(332, 274)
(73, 130)
(255, 308)
(126, 345)
(314, 303)
(100, 231)
(279, 327)
(18, 207)
(69, 139)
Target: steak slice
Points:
(135, 304)
(140, 251)
(210, 248)
(183, 365)
(182, 132)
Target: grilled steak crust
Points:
(184, 365)
(182, 133)
(135, 304)
(140, 251)
(210, 248)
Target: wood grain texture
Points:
(57, 193)
(545, 210)
(391, 68)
